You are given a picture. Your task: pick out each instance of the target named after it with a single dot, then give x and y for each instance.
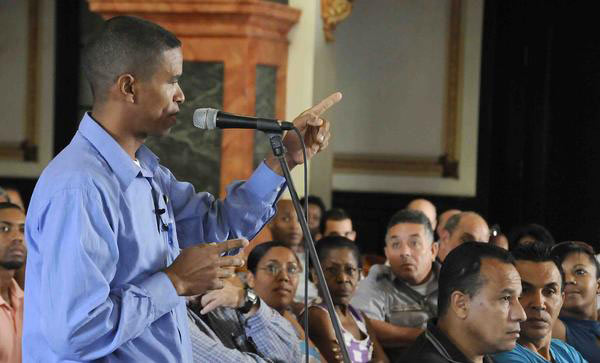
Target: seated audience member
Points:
(529, 233)
(460, 228)
(443, 218)
(400, 298)
(316, 210)
(426, 207)
(285, 228)
(478, 308)
(273, 273)
(497, 238)
(340, 260)
(12, 257)
(542, 282)
(11, 195)
(236, 324)
(578, 322)
(336, 222)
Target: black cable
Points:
(306, 260)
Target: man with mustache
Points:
(12, 257)
(478, 308)
(542, 296)
(400, 298)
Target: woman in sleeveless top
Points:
(578, 323)
(273, 270)
(340, 260)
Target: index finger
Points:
(232, 244)
(329, 101)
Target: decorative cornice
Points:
(334, 12)
(232, 18)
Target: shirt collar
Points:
(15, 293)
(116, 157)
(444, 345)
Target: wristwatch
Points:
(249, 301)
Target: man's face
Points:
(285, 226)
(410, 252)
(341, 228)
(314, 218)
(470, 228)
(541, 298)
(12, 247)
(494, 313)
(159, 96)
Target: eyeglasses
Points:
(275, 269)
(337, 271)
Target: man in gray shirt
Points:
(400, 298)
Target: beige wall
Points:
(388, 60)
(13, 58)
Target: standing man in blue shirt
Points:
(114, 239)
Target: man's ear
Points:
(435, 247)
(459, 303)
(250, 279)
(352, 236)
(125, 85)
(598, 287)
(313, 277)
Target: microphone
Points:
(209, 118)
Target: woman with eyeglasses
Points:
(578, 323)
(340, 260)
(273, 270)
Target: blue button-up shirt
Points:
(96, 249)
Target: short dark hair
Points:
(453, 222)
(538, 232)
(327, 244)
(334, 214)
(538, 252)
(124, 44)
(461, 270)
(313, 199)
(261, 250)
(564, 249)
(8, 205)
(411, 216)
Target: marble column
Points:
(235, 59)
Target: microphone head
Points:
(205, 118)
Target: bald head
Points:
(426, 207)
(443, 218)
(461, 228)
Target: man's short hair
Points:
(536, 231)
(538, 252)
(124, 44)
(453, 222)
(411, 216)
(461, 270)
(334, 214)
(313, 199)
(8, 205)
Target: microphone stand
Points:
(309, 244)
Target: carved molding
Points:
(445, 165)
(334, 12)
(241, 18)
